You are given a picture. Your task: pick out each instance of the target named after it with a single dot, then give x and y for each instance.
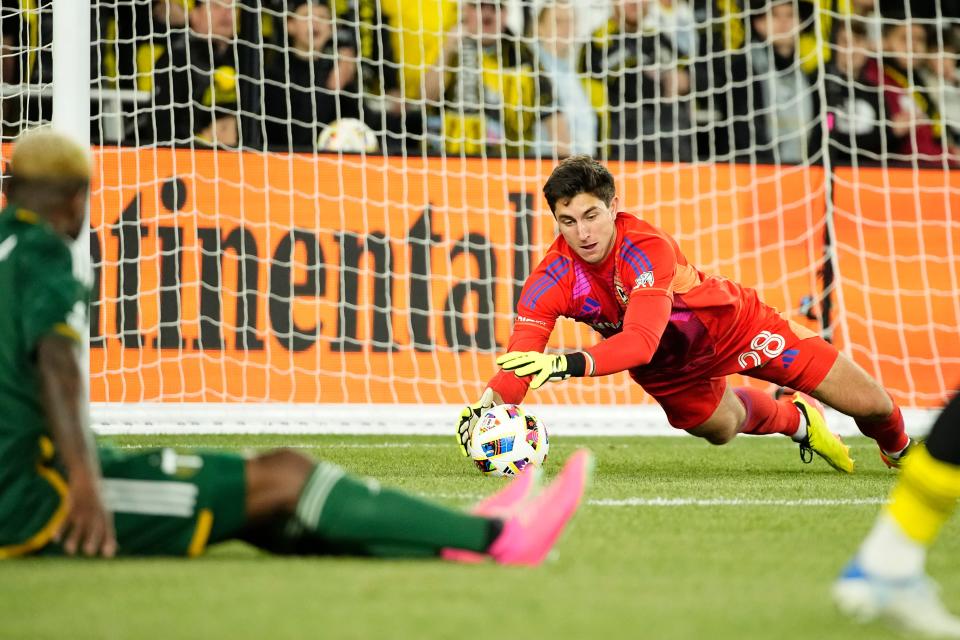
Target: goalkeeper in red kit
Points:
(678, 332)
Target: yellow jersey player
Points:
(887, 578)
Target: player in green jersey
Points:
(59, 493)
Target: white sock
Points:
(889, 553)
(801, 433)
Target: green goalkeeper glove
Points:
(469, 418)
(545, 367)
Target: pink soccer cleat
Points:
(506, 502)
(529, 535)
(503, 504)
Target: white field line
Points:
(699, 502)
(186, 418)
(733, 502)
(600, 502)
(336, 445)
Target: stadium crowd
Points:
(653, 80)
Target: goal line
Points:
(149, 418)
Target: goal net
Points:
(318, 215)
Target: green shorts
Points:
(171, 503)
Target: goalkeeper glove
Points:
(545, 367)
(469, 417)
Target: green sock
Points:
(289, 537)
(344, 509)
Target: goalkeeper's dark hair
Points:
(576, 175)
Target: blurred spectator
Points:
(868, 14)
(675, 19)
(943, 82)
(11, 32)
(552, 34)
(196, 81)
(27, 32)
(170, 14)
(771, 105)
(216, 128)
(494, 98)
(27, 36)
(131, 35)
(384, 106)
(9, 40)
(913, 118)
(134, 36)
(833, 16)
(315, 80)
(646, 88)
(854, 104)
(732, 20)
(166, 16)
(26, 58)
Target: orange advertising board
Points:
(898, 275)
(225, 276)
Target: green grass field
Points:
(758, 566)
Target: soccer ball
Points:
(506, 439)
(348, 134)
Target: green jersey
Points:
(162, 503)
(39, 295)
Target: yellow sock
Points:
(925, 496)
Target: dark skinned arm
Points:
(88, 527)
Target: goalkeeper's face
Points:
(588, 225)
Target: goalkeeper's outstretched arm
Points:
(643, 325)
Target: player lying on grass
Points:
(678, 331)
(888, 575)
(60, 496)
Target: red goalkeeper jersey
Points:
(659, 315)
